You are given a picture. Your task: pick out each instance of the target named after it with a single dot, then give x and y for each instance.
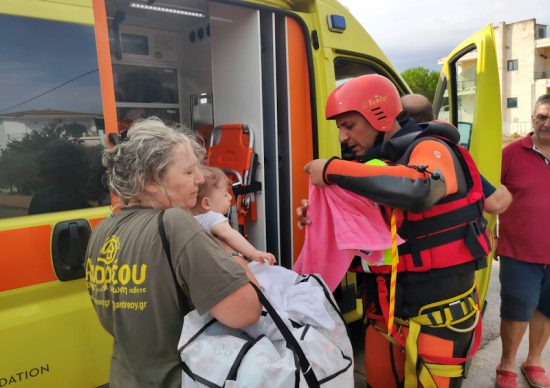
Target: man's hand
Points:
(499, 201)
(315, 170)
(301, 212)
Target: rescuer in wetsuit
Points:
(436, 189)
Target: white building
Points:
(523, 54)
(524, 64)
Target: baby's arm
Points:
(235, 240)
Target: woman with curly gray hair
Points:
(141, 294)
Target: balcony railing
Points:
(542, 74)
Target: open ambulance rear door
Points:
(468, 96)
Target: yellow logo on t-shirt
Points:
(108, 272)
(115, 284)
(109, 250)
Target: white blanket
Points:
(214, 355)
(298, 302)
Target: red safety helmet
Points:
(373, 96)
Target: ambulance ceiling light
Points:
(161, 8)
(221, 19)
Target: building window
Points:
(512, 64)
(541, 33)
(512, 102)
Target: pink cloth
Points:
(343, 225)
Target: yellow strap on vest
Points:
(424, 372)
(425, 377)
(439, 320)
(444, 370)
(427, 371)
(447, 301)
(444, 317)
(411, 355)
(388, 336)
(395, 260)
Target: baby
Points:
(213, 201)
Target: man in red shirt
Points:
(524, 250)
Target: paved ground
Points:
(482, 369)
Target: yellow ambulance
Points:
(74, 71)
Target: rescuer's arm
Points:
(405, 187)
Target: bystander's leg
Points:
(539, 331)
(511, 334)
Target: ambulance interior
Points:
(206, 64)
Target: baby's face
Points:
(220, 199)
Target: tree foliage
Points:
(422, 80)
(19, 164)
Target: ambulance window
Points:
(465, 73)
(51, 122)
(460, 109)
(346, 69)
(441, 101)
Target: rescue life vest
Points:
(453, 231)
(450, 233)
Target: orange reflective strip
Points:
(354, 169)
(105, 67)
(105, 76)
(27, 257)
(301, 137)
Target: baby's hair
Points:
(213, 177)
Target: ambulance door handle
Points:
(69, 241)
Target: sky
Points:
(418, 32)
(48, 65)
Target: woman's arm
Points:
(214, 281)
(239, 309)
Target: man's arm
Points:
(406, 187)
(499, 201)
